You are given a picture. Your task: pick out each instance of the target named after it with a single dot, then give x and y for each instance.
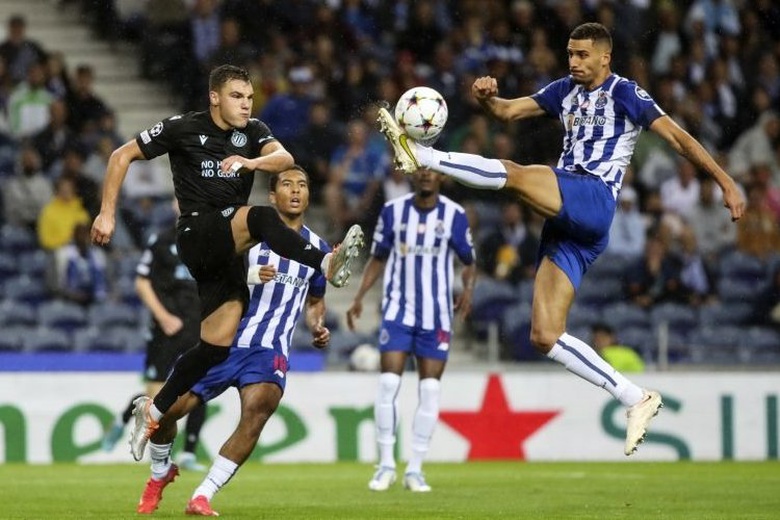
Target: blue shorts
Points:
(244, 366)
(429, 344)
(579, 233)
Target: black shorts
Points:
(205, 242)
(162, 351)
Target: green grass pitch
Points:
(684, 490)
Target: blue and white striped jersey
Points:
(418, 246)
(602, 125)
(274, 307)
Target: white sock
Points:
(386, 417)
(325, 264)
(161, 459)
(469, 169)
(221, 471)
(580, 359)
(424, 422)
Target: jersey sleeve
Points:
(640, 108)
(161, 138)
(262, 133)
(550, 97)
(383, 234)
(144, 267)
(461, 241)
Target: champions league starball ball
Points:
(421, 112)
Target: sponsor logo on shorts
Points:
(156, 129)
(384, 337)
(228, 211)
(145, 137)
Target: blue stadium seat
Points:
(608, 267)
(35, 263)
(14, 313)
(725, 313)
(25, 289)
(491, 298)
(740, 266)
(11, 338)
(47, 340)
(62, 315)
(125, 291)
(582, 315)
(111, 314)
(739, 290)
(681, 318)
(126, 265)
(600, 292)
(762, 345)
(17, 240)
(622, 314)
(640, 338)
(525, 291)
(8, 266)
(84, 339)
(717, 344)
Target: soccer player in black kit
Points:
(169, 292)
(213, 156)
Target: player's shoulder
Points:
(627, 89)
(316, 240)
(443, 199)
(560, 86)
(398, 201)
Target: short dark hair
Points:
(273, 179)
(224, 73)
(592, 31)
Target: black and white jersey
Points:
(196, 146)
(171, 280)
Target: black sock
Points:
(265, 226)
(195, 421)
(189, 369)
(129, 410)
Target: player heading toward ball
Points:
(213, 157)
(602, 114)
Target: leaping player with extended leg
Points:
(602, 114)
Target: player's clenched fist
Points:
(102, 229)
(484, 88)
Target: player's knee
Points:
(543, 339)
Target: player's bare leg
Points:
(258, 403)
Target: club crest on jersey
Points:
(439, 229)
(601, 102)
(238, 139)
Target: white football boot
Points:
(639, 417)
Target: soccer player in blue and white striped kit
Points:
(602, 114)
(415, 240)
(257, 363)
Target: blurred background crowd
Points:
(677, 273)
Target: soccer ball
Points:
(422, 113)
(365, 358)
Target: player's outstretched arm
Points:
(692, 150)
(485, 91)
(463, 303)
(118, 163)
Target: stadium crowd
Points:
(321, 69)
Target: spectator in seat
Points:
(60, 216)
(85, 108)
(52, 140)
(712, 227)
(758, 232)
(26, 194)
(628, 232)
(28, 106)
(81, 269)
(655, 277)
(622, 358)
(510, 252)
(18, 51)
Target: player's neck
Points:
(217, 119)
(598, 81)
(426, 201)
(292, 221)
